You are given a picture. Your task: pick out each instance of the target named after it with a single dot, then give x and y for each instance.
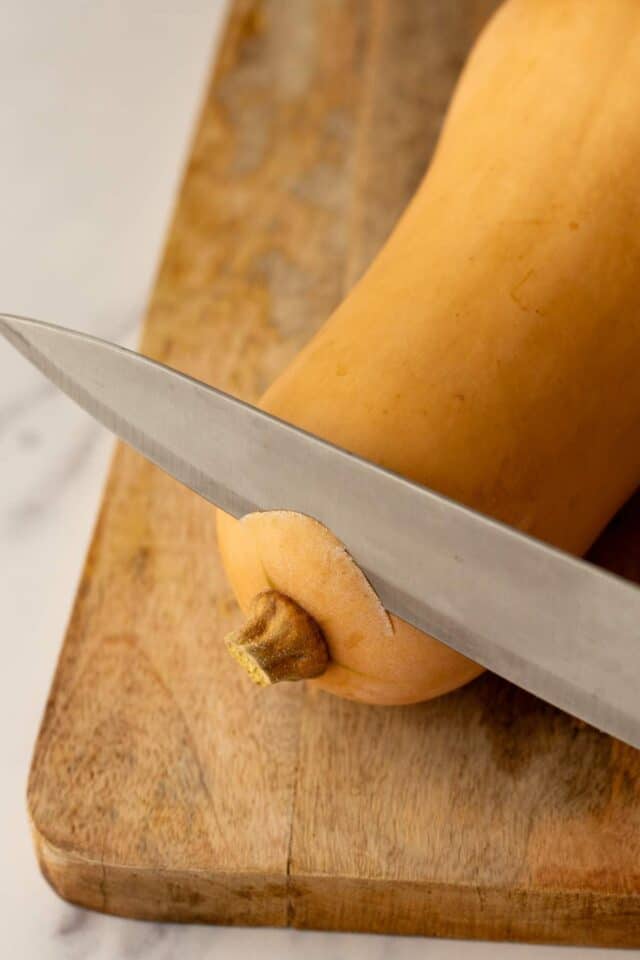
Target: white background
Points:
(97, 103)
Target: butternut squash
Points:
(492, 351)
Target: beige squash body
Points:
(492, 350)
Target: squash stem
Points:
(280, 641)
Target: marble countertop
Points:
(92, 148)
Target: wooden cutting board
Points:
(163, 784)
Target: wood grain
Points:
(161, 778)
(165, 786)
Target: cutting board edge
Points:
(412, 908)
(172, 895)
(341, 904)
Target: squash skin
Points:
(492, 350)
(267, 550)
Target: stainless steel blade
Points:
(557, 626)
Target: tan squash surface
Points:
(492, 350)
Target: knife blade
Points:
(557, 626)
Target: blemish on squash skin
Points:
(514, 292)
(516, 297)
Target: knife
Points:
(557, 626)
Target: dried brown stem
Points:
(279, 641)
